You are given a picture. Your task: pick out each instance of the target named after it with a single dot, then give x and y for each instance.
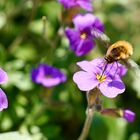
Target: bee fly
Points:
(120, 50)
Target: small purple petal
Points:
(68, 3)
(112, 89)
(34, 74)
(84, 47)
(129, 115)
(51, 81)
(74, 38)
(99, 62)
(38, 74)
(82, 22)
(98, 25)
(85, 81)
(88, 66)
(121, 69)
(3, 100)
(87, 5)
(3, 76)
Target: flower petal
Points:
(51, 81)
(84, 47)
(112, 89)
(68, 3)
(37, 75)
(121, 70)
(3, 100)
(87, 5)
(100, 62)
(74, 38)
(88, 67)
(84, 21)
(3, 76)
(98, 25)
(85, 81)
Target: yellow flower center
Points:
(83, 35)
(100, 78)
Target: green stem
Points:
(92, 100)
(87, 124)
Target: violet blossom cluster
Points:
(81, 38)
(94, 74)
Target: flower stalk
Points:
(92, 99)
(87, 124)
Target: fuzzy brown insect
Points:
(120, 50)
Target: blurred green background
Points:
(38, 113)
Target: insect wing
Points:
(100, 36)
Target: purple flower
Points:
(85, 4)
(91, 76)
(116, 112)
(47, 75)
(80, 38)
(129, 115)
(3, 98)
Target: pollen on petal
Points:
(101, 78)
